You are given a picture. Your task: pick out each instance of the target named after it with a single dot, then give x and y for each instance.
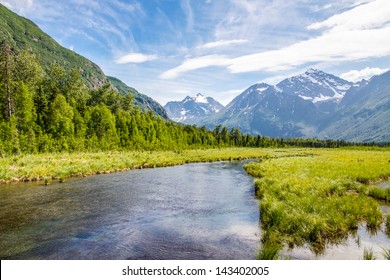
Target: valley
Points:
(290, 170)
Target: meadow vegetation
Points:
(48, 166)
(321, 198)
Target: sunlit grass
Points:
(63, 165)
(319, 199)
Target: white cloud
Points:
(135, 58)
(366, 73)
(194, 64)
(360, 33)
(336, 47)
(371, 15)
(363, 32)
(222, 43)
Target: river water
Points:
(194, 211)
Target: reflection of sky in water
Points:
(384, 185)
(351, 249)
(195, 211)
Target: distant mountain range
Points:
(313, 104)
(192, 110)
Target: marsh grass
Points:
(38, 167)
(386, 253)
(368, 254)
(321, 199)
(269, 251)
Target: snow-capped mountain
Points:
(322, 89)
(313, 104)
(191, 110)
(264, 109)
(364, 113)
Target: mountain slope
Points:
(323, 89)
(313, 104)
(22, 34)
(141, 100)
(191, 110)
(263, 109)
(364, 113)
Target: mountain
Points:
(141, 100)
(364, 113)
(313, 104)
(264, 109)
(324, 90)
(191, 110)
(22, 34)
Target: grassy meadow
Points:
(320, 198)
(37, 167)
(311, 197)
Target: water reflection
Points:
(195, 211)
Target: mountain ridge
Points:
(192, 110)
(310, 105)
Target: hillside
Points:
(141, 100)
(22, 34)
(364, 113)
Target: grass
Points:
(308, 196)
(386, 253)
(368, 254)
(269, 251)
(46, 167)
(319, 199)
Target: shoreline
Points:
(62, 166)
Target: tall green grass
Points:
(34, 167)
(319, 199)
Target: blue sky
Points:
(169, 49)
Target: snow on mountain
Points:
(192, 109)
(318, 87)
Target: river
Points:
(193, 211)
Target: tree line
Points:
(52, 110)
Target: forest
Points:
(50, 109)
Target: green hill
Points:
(22, 34)
(140, 100)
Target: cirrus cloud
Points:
(362, 32)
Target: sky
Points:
(168, 49)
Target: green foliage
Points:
(269, 251)
(316, 200)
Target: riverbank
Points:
(46, 167)
(320, 200)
